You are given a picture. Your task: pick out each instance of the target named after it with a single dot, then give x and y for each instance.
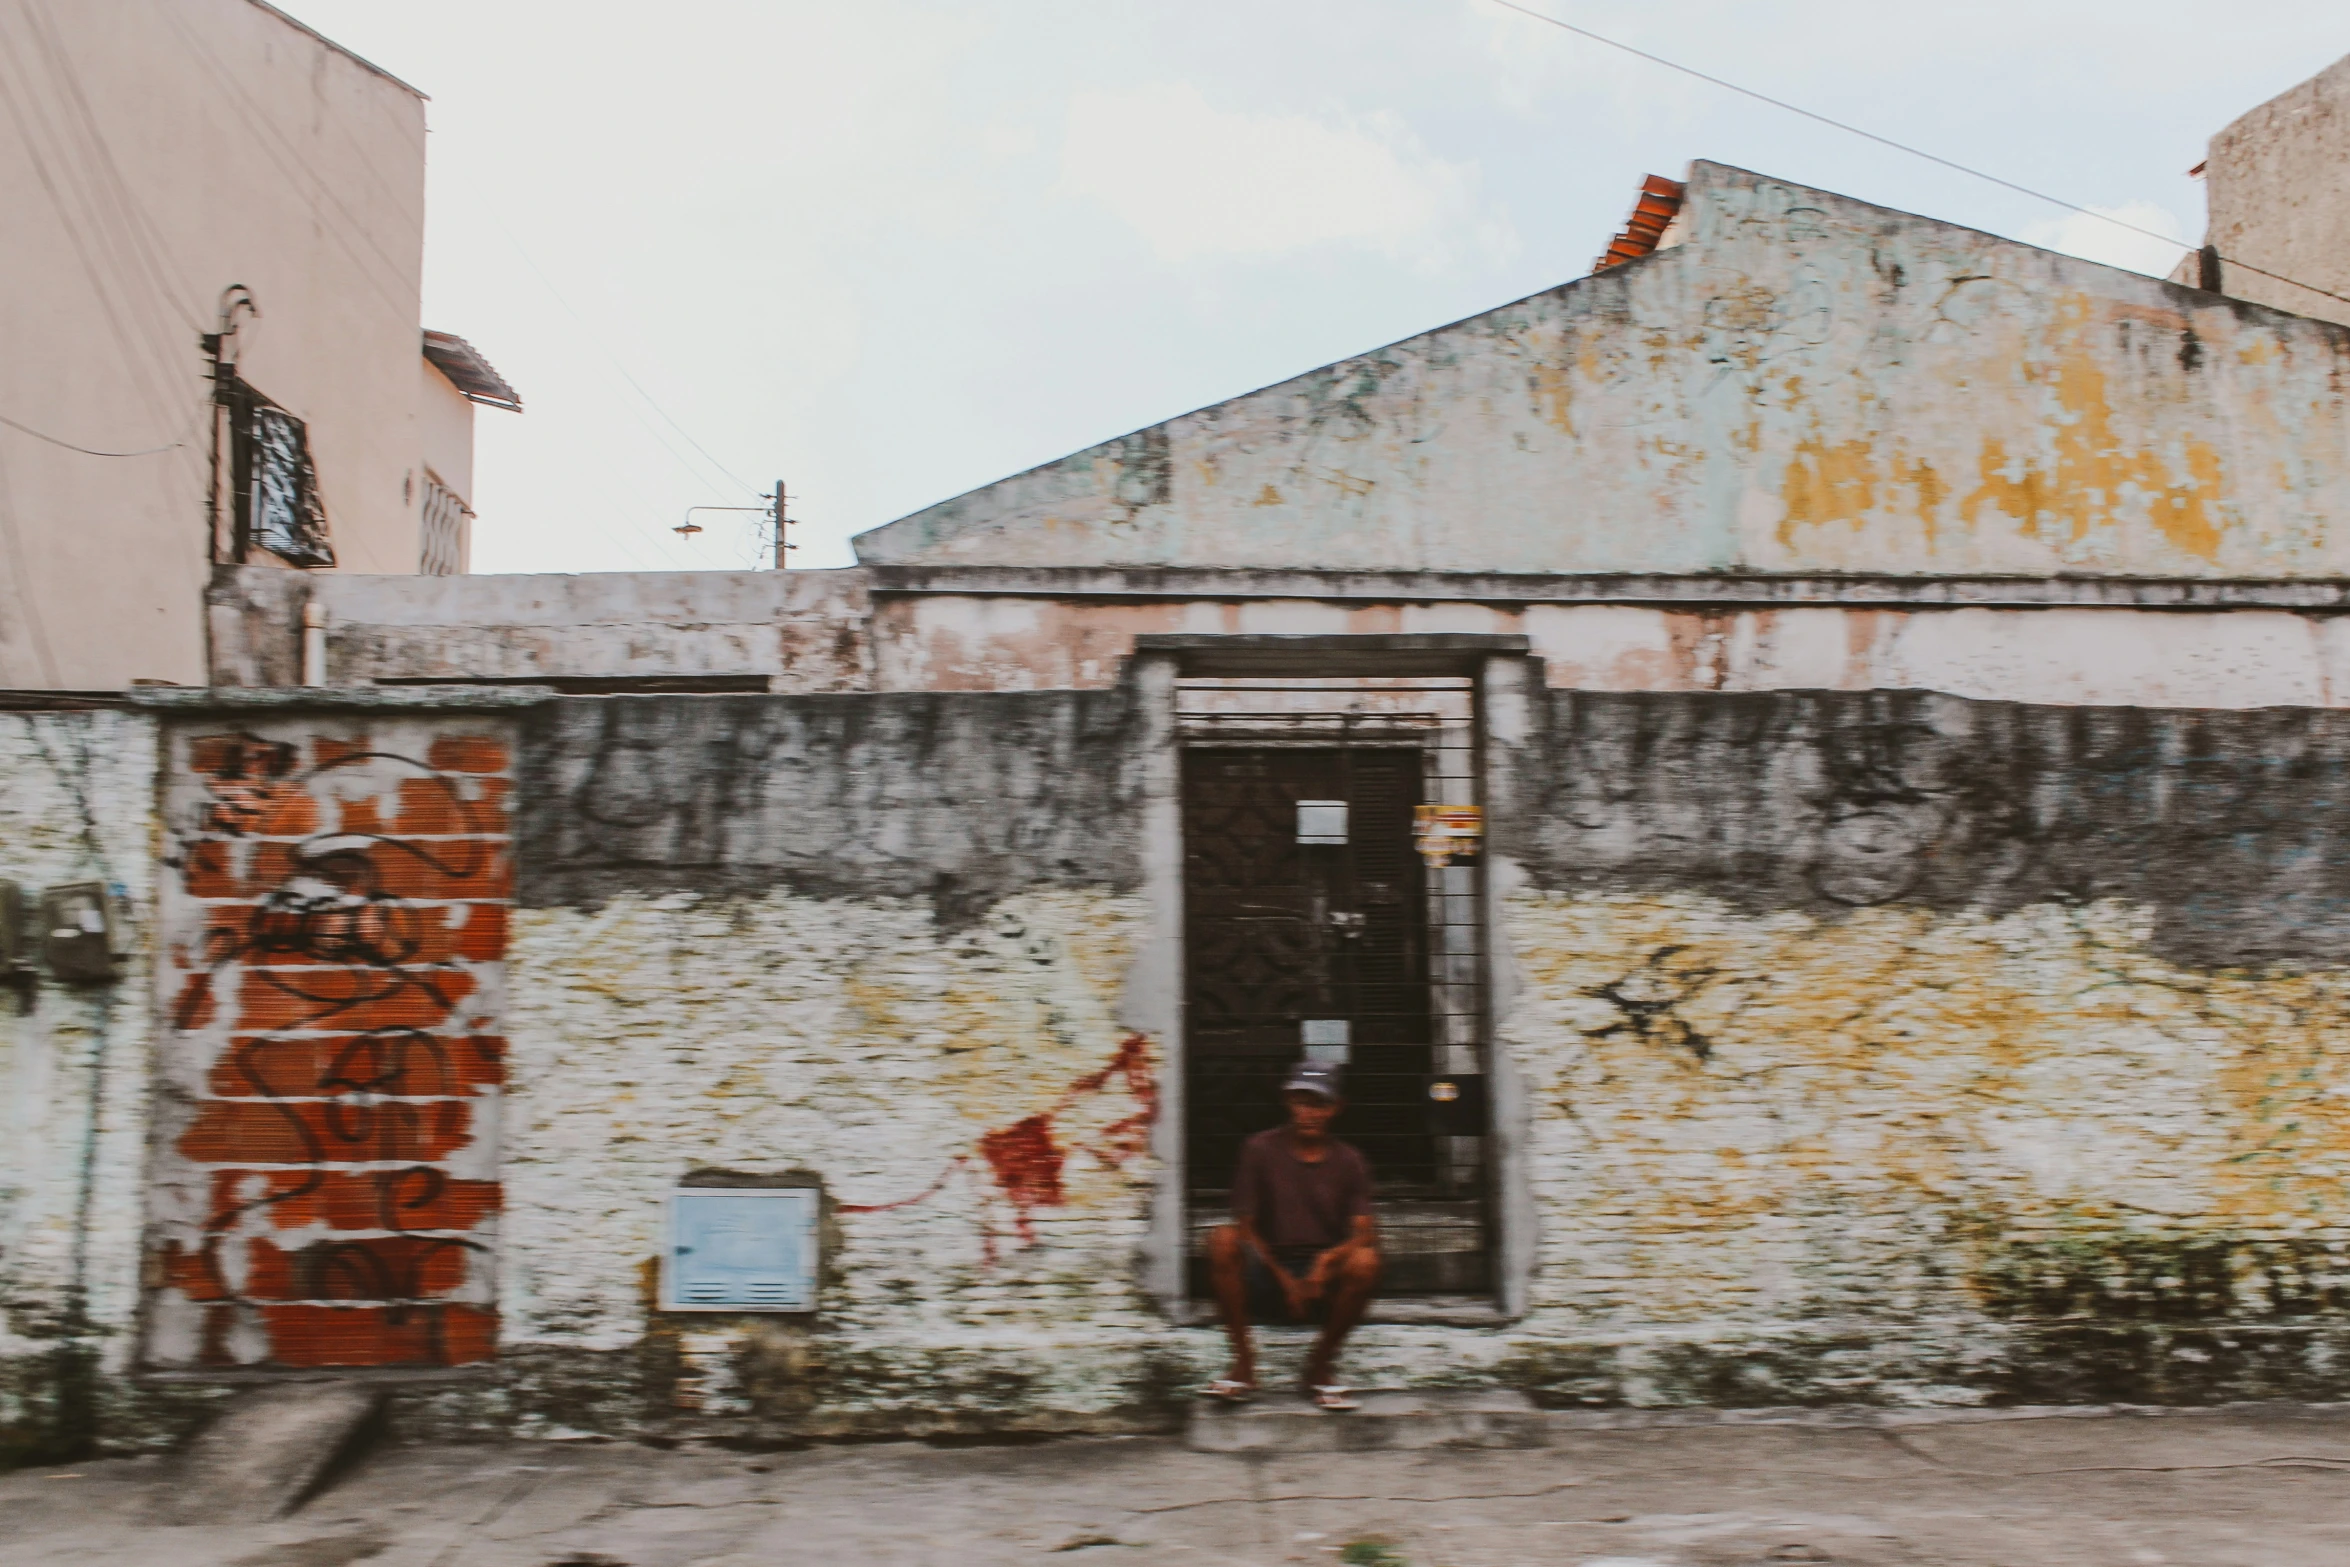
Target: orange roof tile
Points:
(1659, 204)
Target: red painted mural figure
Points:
(1302, 1245)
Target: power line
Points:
(740, 483)
(1897, 146)
(86, 451)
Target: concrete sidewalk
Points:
(2212, 1488)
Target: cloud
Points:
(2094, 239)
(1198, 182)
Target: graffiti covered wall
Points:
(334, 907)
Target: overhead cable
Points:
(602, 341)
(86, 451)
(1898, 146)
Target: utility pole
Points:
(782, 518)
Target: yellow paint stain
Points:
(1843, 483)
(2093, 476)
(1931, 492)
(1268, 496)
(1554, 394)
(1828, 483)
(1746, 1088)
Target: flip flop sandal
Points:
(1331, 1396)
(1224, 1390)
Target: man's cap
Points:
(1313, 1077)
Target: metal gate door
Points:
(1297, 947)
(1307, 933)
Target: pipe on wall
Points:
(313, 643)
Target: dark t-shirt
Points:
(1296, 1205)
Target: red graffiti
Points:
(924, 1195)
(1027, 1165)
(1026, 1157)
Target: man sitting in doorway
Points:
(1302, 1246)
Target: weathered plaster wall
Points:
(77, 803)
(1876, 1047)
(882, 939)
(796, 630)
(2276, 200)
(1910, 1048)
(2111, 656)
(1809, 383)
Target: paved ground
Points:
(2202, 1489)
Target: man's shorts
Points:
(1266, 1301)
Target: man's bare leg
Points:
(1227, 1277)
(1349, 1287)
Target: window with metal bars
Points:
(447, 530)
(274, 481)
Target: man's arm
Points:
(1365, 1235)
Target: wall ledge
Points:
(1694, 590)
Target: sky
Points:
(891, 250)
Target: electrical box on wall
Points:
(741, 1248)
(77, 931)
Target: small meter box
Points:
(741, 1248)
(77, 931)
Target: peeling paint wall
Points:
(1809, 383)
(77, 804)
(2093, 656)
(1872, 1047)
(879, 939)
(1876, 1047)
(1909, 1048)
(780, 630)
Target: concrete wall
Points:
(2154, 644)
(77, 803)
(1905, 1047)
(2109, 654)
(1872, 1047)
(170, 149)
(880, 939)
(796, 630)
(2276, 199)
(1863, 1047)
(1808, 384)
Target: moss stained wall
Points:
(1879, 1047)
(1905, 1047)
(77, 803)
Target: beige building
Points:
(2277, 185)
(199, 185)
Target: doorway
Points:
(1316, 928)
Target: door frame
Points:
(1507, 725)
